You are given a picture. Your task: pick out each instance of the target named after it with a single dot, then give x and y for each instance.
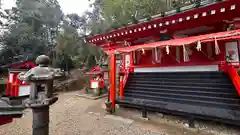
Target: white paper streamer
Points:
(143, 51)
(199, 46)
(10, 78)
(167, 49)
(217, 50)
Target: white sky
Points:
(74, 6)
(68, 6)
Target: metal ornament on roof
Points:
(126, 43)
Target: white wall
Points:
(232, 46)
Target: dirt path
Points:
(73, 115)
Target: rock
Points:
(77, 80)
(160, 115)
(103, 106)
(145, 119)
(186, 125)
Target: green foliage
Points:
(40, 27)
(31, 28)
(122, 12)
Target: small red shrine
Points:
(96, 78)
(16, 87)
(183, 63)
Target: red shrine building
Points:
(183, 63)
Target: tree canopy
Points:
(37, 27)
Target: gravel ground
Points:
(73, 115)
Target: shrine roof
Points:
(220, 36)
(173, 20)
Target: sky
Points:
(74, 6)
(68, 6)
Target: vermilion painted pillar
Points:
(131, 61)
(121, 75)
(13, 84)
(121, 86)
(113, 79)
(8, 86)
(16, 88)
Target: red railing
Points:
(123, 81)
(236, 65)
(5, 120)
(230, 68)
(125, 77)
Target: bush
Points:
(2, 87)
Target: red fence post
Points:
(17, 86)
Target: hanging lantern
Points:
(178, 57)
(153, 56)
(185, 54)
(167, 49)
(199, 46)
(209, 50)
(157, 55)
(217, 49)
(189, 51)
